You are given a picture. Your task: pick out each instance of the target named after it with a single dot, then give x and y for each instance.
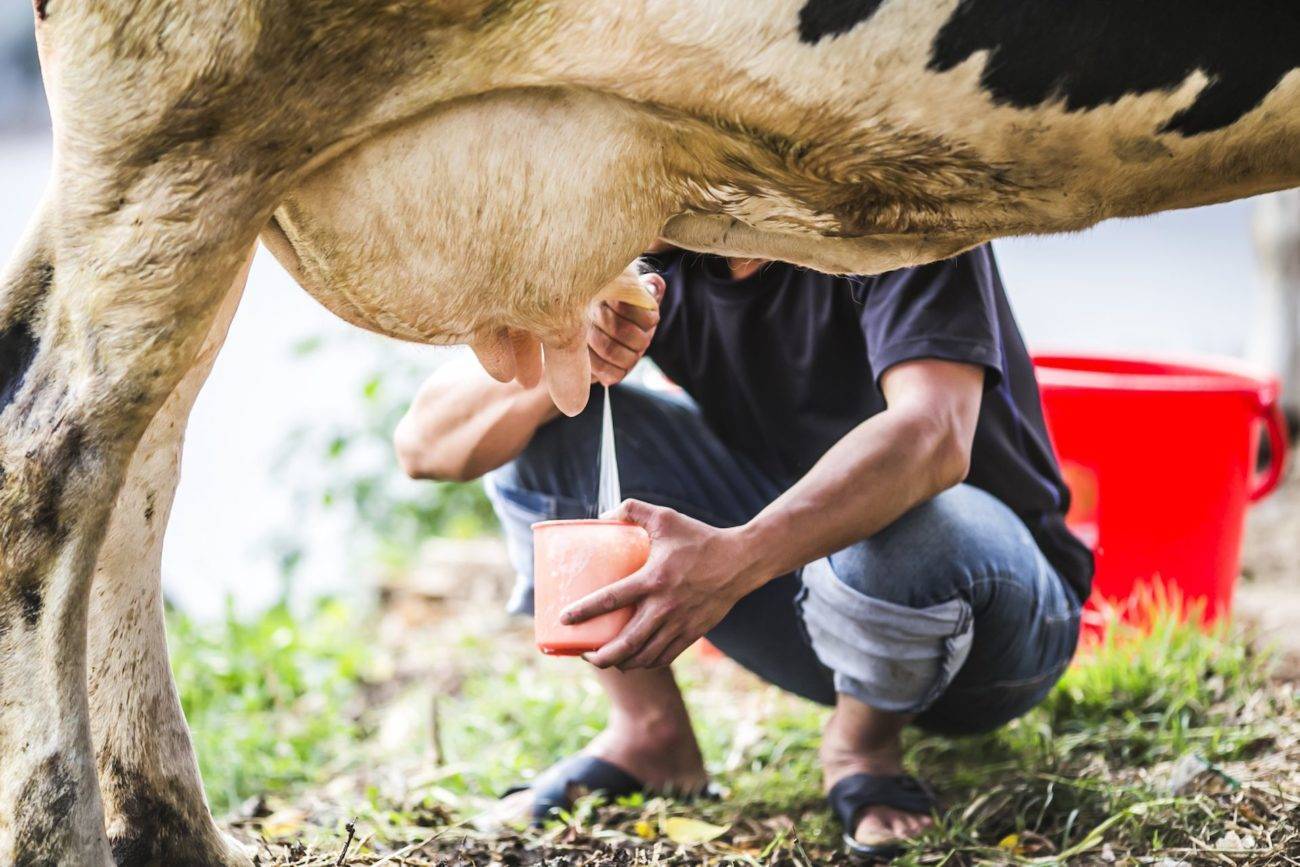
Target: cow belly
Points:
(511, 210)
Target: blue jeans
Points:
(950, 613)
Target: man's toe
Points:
(902, 825)
(875, 827)
(514, 809)
(913, 825)
(885, 825)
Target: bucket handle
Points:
(1270, 411)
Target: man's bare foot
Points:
(649, 736)
(660, 752)
(861, 740)
(657, 752)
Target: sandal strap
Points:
(551, 788)
(856, 792)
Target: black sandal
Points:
(856, 792)
(588, 773)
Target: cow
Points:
(477, 171)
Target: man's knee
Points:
(892, 656)
(892, 615)
(936, 551)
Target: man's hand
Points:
(690, 582)
(619, 334)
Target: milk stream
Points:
(608, 494)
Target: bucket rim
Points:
(1201, 372)
(581, 522)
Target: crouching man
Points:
(854, 498)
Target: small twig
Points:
(400, 854)
(347, 844)
(435, 733)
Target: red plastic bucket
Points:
(1160, 458)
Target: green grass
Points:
(1093, 763)
(279, 704)
(274, 701)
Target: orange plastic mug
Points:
(572, 559)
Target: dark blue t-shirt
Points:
(784, 363)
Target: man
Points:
(855, 499)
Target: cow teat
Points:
(568, 375)
(568, 365)
(509, 354)
(514, 354)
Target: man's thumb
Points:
(630, 511)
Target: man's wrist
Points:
(756, 550)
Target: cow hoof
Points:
(238, 853)
(219, 850)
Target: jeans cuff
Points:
(892, 657)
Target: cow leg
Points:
(49, 801)
(154, 805)
(100, 316)
(1277, 330)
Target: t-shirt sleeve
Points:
(945, 310)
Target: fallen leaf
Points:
(644, 830)
(691, 832)
(284, 823)
(1248, 813)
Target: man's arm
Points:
(463, 423)
(915, 449)
(919, 447)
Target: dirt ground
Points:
(1268, 596)
(1261, 813)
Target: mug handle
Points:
(1275, 427)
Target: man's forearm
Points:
(463, 424)
(501, 429)
(875, 474)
